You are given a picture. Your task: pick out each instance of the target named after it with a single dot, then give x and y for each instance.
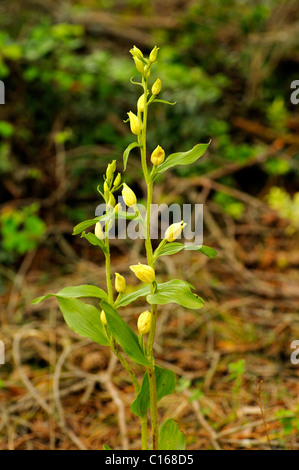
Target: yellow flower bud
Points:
(135, 123)
(106, 187)
(110, 170)
(144, 322)
(158, 155)
(174, 231)
(140, 103)
(120, 283)
(157, 86)
(117, 208)
(148, 74)
(117, 180)
(128, 195)
(136, 52)
(111, 201)
(98, 231)
(103, 318)
(153, 55)
(139, 64)
(143, 272)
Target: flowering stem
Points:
(150, 260)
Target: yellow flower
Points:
(110, 170)
(98, 231)
(135, 123)
(139, 64)
(153, 54)
(158, 156)
(120, 283)
(117, 180)
(157, 86)
(144, 322)
(136, 52)
(117, 208)
(174, 231)
(111, 200)
(128, 195)
(103, 318)
(140, 103)
(143, 272)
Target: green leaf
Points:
(170, 437)
(94, 240)
(73, 292)
(206, 250)
(83, 225)
(183, 158)
(124, 335)
(83, 319)
(105, 447)
(127, 153)
(178, 292)
(174, 247)
(163, 101)
(169, 249)
(165, 386)
(128, 298)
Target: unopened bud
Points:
(110, 170)
(157, 86)
(117, 180)
(158, 155)
(135, 123)
(174, 231)
(153, 55)
(98, 231)
(103, 318)
(143, 272)
(144, 322)
(120, 283)
(141, 103)
(139, 64)
(128, 195)
(136, 52)
(117, 208)
(111, 200)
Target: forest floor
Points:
(236, 385)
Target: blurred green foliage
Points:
(68, 90)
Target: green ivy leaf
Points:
(165, 380)
(183, 158)
(124, 335)
(83, 319)
(170, 437)
(127, 153)
(73, 292)
(178, 292)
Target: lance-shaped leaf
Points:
(127, 153)
(165, 380)
(124, 335)
(175, 247)
(94, 240)
(83, 319)
(170, 437)
(74, 292)
(183, 158)
(128, 298)
(178, 292)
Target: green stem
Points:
(150, 260)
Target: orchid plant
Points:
(106, 326)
